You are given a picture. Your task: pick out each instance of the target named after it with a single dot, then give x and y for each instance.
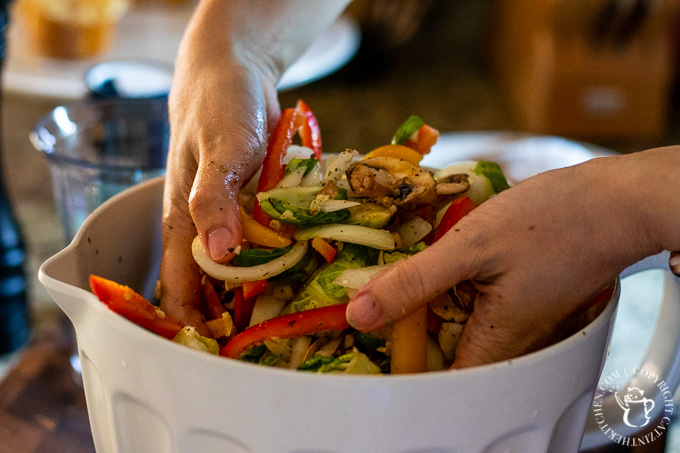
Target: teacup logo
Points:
(632, 406)
(634, 402)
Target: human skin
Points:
(537, 252)
(222, 105)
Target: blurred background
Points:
(604, 72)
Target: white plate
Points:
(155, 33)
(520, 155)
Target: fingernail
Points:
(674, 263)
(220, 240)
(363, 313)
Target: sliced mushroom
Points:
(453, 184)
(388, 180)
(464, 294)
(455, 305)
(444, 307)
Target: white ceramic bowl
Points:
(147, 394)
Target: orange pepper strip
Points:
(402, 152)
(259, 234)
(409, 343)
(253, 288)
(325, 249)
(423, 140)
(126, 302)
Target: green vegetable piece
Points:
(353, 362)
(361, 364)
(321, 291)
(316, 363)
(492, 171)
(294, 164)
(254, 354)
(301, 271)
(292, 205)
(255, 257)
(392, 257)
(333, 271)
(192, 339)
(369, 215)
(407, 129)
(368, 343)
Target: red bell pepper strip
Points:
(129, 304)
(288, 326)
(243, 309)
(253, 288)
(292, 120)
(310, 132)
(456, 211)
(211, 299)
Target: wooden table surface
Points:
(439, 74)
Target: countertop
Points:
(439, 74)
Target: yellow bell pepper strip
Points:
(253, 288)
(409, 343)
(292, 120)
(458, 209)
(402, 152)
(213, 304)
(131, 305)
(423, 140)
(325, 249)
(261, 235)
(292, 325)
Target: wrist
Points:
(648, 180)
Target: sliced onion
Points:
(292, 179)
(252, 273)
(413, 231)
(297, 152)
(355, 234)
(356, 278)
(336, 205)
(336, 164)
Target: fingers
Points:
(408, 284)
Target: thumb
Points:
(408, 284)
(214, 209)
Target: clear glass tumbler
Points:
(98, 148)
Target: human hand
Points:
(220, 110)
(222, 105)
(536, 253)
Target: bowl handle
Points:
(613, 420)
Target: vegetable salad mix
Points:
(314, 232)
